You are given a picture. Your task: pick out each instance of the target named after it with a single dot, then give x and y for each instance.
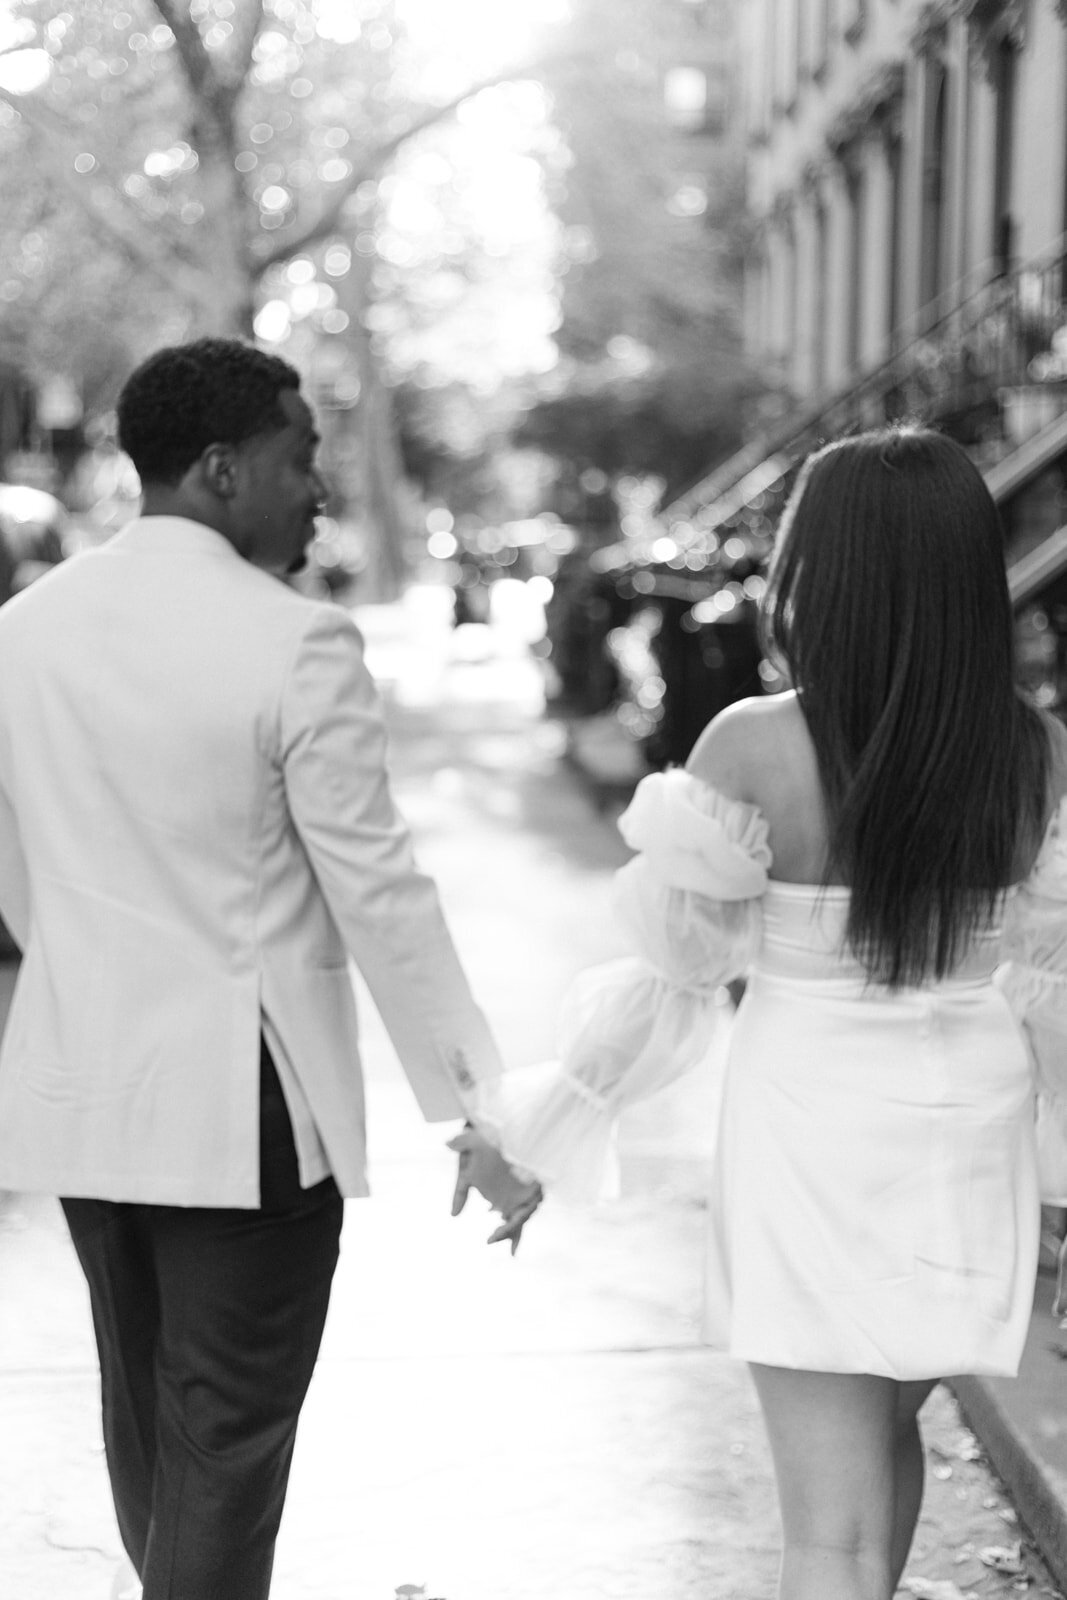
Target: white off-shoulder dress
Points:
(880, 1155)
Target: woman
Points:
(868, 847)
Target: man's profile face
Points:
(280, 491)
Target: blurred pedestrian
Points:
(196, 831)
(869, 847)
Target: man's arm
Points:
(14, 879)
(388, 912)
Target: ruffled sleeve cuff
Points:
(697, 839)
(550, 1126)
(625, 1034)
(690, 904)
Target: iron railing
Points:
(989, 371)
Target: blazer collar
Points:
(172, 536)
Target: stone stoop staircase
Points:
(990, 370)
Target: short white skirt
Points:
(875, 1200)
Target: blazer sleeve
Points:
(14, 879)
(333, 747)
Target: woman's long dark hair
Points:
(888, 603)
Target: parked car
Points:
(661, 649)
(34, 535)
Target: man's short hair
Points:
(188, 396)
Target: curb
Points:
(1022, 1425)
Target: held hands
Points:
(482, 1167)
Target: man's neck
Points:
(160, 500)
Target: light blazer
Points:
(195, 827)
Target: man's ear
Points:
(218, 470)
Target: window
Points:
(1004, 74)
(819, 309)
(821, 26)
(934, 184)
(895, 159)
(857, 209)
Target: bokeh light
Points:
(24, 71)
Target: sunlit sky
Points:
(25, 70)
(481, 34)
(459, 39)
(463, 40)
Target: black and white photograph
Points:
(533, 799)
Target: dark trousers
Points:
(208, 1323)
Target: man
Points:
(196, 830)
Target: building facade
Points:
(906, 175)
(902, 155)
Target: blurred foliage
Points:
(461, 452)
(187, 147)
(181, 166)
(653, 377)
(492, 245)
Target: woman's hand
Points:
(482, 1167)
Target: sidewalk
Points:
(547, 1427)
(1023, 1425)
(482, 1428)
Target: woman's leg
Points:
(909, 1471)
(833, 1438)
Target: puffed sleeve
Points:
(1034, 980)
(689, 904)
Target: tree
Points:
(652, 378)
(187, 166)
(210, 140)
(183, 152)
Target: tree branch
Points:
(197, 65)
(329, 217)
(110, 216)
(245, 33)
(177, 272)
(214, 81)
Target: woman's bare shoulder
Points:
(760, 751)
(749, 743)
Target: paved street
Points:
(482, 1428)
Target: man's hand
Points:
(482, 1167)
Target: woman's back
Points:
(760, 751)
(874, 1202)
